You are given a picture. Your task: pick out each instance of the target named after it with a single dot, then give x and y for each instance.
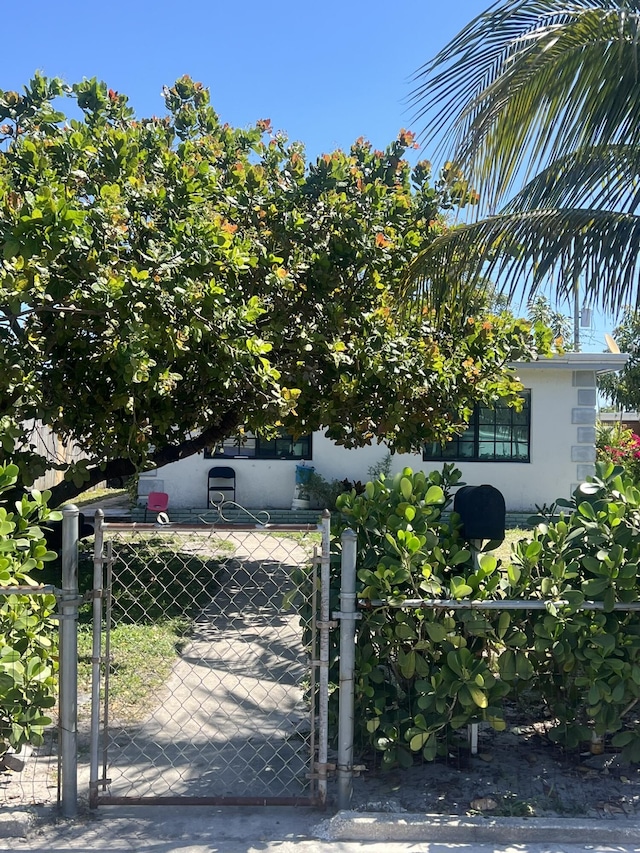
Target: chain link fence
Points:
(206, 641)
(29, 775)
(513, 768)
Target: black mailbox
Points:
(482, 511)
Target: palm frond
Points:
(524, 82)
(604, 177)
(522, 252)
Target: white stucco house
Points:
(532, 457)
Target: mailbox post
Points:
(482, 512)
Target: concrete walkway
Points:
(289, 830)
(231, 720)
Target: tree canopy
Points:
(623, 389)
(541, 98)
(165, 280)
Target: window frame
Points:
(472, 436)
(259, 447)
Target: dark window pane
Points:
(500, 433)
(504, 416)
(432, 451)
(450, 450)
(467, 449)
(485, 450)
(254, 447)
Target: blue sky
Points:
(325, 73)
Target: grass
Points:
(160, 584)
(156, 579)
(503, 551)
(142, 657)
(93, 495)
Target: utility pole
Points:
(576, 309)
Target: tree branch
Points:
(116, 468)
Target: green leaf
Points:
(430, 749)
(404, 632)
(533, 550)
(453, 662)
(595, 587)
(514, 574)
(604, 641)
(503, 623)
(434, 495)
(587, 510)
(478, 695)
(594, 565)
(488, 563)
(437, 632)
(462, 556)
(524, 667)
(507, 665)
(459, 588)
(498, 724)
(609, 600)
(418, 741)
(407, 662)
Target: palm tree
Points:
(545, 95)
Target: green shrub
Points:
(28, 645)
(421, 673)
(586, 663)
(424, 673)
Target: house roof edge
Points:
(600, 362)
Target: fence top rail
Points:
(504, 604)
(44, 589)
(224, 527)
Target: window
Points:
(250, 446)
(501, 434)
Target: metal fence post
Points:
(69, 662)
(325, 627)
(96, 659)
(347, 616)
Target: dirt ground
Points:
(516, 773)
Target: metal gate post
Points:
(325, 627)
(96, 659)
(347, 616)
(69, 661)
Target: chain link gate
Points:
(239, 715)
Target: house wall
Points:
(562, 453)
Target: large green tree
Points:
(538, 103)
(165, 280)
(623, 389)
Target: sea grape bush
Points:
(420, 672)
(423, 673)
(28, 645)
(587, 663)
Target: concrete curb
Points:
(15, 823)
(381, 826)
